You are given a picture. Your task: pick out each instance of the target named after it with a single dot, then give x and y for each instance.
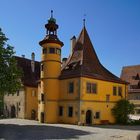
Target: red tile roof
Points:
(84, 62)
(29, 78)
(131, 74)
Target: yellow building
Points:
(24, 103)
(81, 91)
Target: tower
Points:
(50, 72)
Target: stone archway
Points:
(89, 117)
(13, 111)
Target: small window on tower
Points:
(58, 51)
(42, 67)
(44, 51)
(42, 97)
(51, 50)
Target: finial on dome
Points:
(51, 13)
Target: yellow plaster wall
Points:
(97, 102)
(103, 88)
(94, 102)
(31, 102)
(65, 118)
(64, 94)
(50, 84)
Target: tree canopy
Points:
(10, 74)
(121, 111)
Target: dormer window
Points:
(137, 77)
(139, 84)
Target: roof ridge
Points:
(23, 58)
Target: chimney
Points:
(64, 61)
(23, 56)
(73, 42)
(33, 62)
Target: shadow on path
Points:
(121, 127)
(35, 132)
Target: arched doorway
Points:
(89, 117)
(33, 114)
(13, 111)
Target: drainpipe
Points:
(79, 102)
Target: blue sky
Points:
(113, 27)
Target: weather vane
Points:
(84, 20)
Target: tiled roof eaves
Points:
(92, 77)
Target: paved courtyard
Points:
(19, 129)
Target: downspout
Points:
(79, 102)
(25, 101)
(125, 91)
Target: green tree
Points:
(121, 111)
(10, 74)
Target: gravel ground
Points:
(20, 129)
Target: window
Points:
(137, 111)
(42, 97)
(71, 87)
(44, 50)
(51, 50)
(91, 88)
(70, 111)
(120, 91)
(137, 77)
(17, 92)
(58, 51)
(97, 115)
(82, 112)
(33, 93)
(88, 88)
(114, 91)
(107, 98)
(42, 67)
(60, 110)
